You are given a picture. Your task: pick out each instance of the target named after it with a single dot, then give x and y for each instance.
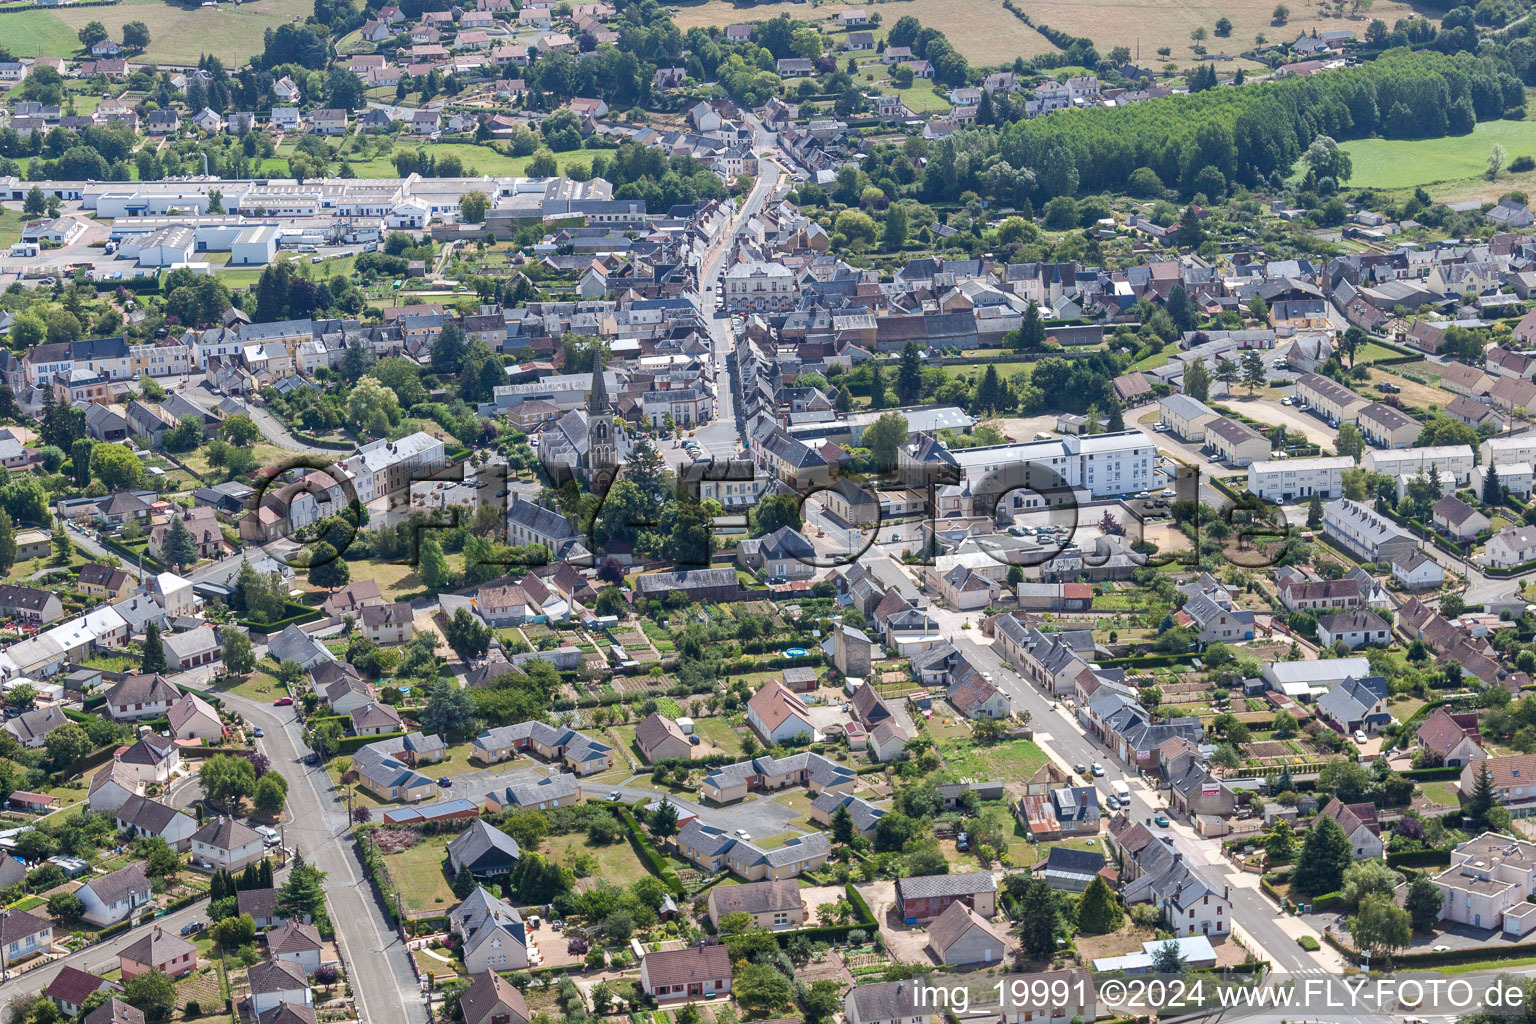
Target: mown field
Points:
(179, 33)
(1401, 163)
(987, 34)
(980, 29)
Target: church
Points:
(585, 444)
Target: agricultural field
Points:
(979, 29)
(1147, 25)
(179, 33)
(1404, 163)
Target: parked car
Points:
(444, 781)
(257, 732)
(192, 928)
(283, 702)
(1098, 770)
(1161, 821)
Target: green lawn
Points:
(477, 159)
(1371, 351)
(616, 862)
(418, 872)
(258, 686)
(11, 222)
(920, 98)
(720, 732)
(1012, 760)
(1402, 163)
(179, 33)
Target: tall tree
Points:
(909, 379)
(178, 548)
(153, 659)
(1197, 381)
(1253, 370)
(1032, 329)
(1493, 491)
(1324, 856)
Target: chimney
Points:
(1226, 892)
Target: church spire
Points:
(597, 398)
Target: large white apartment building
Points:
(1487, 884)
(1101, 464)
(1454, 461)
(1287, 480)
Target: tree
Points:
(270, 793)
(884, 437)
(909, 378)
(1280, 844)
(67, 745)
(227, 779)
(1032, 329)
(761, 989)
(1038, 920)
(178, 547)
(66, 906)
(1223, 26)
(1168, 959)
(776, 511)
(186, 435)
(302, 895)
(1493, 491)
(894, 235)
(234, 932)
(239, 655)
(1197, 381)
(1424, 903)
(876, 385)
(1350, 442)
(152, 993)
(468, 637)
(1281, 14)
(160, 859)
(472, 206)
(663, 820)
(1380, 925)
(114, 465)
(1099, 912)
(1481, 802)
(449, 710)
(240, 430)
(91, 33)
(1315, 512)
(1324, 856)
(136, 37)
(326, 567)
(842, 826)
(431, 564)
(1496, 158)
(1366, 877)
(153, 659)
(1253, 370)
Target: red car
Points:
(282, 702)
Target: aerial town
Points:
(567, 512)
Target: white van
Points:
(1121, 790)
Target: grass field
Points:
(477, 159)
(1013, 759)
(979, 29)
(616, 862)
(1402, 163)
(178, 33)
(419, 874)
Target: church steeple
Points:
(597, 398)
(602, 445)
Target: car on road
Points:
(1098, 770)
(1112, 802)
(1079, 769)
(615, 795)
(444, 781)
(1161, 821)
(257, 732)
(282, 702)
(1286, 400)
(192, 928)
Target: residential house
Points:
(701, 971)
(112, 897)
(227, 844)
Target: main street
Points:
(316, 826)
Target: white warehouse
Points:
(254, 246)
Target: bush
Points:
(1308, 943)
(1522, 163)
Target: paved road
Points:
(720, 437)
(382, 978)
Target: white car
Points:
(1286, 400)
(1360, 736)
(1098, 769)
(742, 833)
